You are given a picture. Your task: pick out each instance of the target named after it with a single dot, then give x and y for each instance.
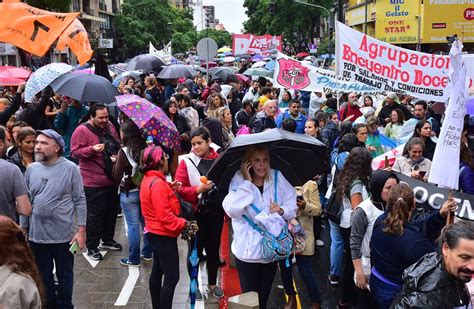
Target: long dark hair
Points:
(401, 201)
(132, 139)
(357, 166)
(418, 126)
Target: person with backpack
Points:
(126, 172)
(95, 144)
(293, 112)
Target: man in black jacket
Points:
(391, 102)
(14, 106)
(438, 280)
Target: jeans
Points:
(102, 210)
(382, 292)
(306, 271)
(337, 249)
(45, 254)
(133, 216)
(256, 277)
(165, 263)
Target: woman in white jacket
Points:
(254, 184)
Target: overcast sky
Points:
(229, 12)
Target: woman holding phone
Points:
(412, 163)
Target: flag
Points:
(31, 29)
(75, 36)
(449, 142)
(101, 66)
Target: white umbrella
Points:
(258, 64)
(229, 59)
(43, 77)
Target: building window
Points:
(108, 24)
(76, 6)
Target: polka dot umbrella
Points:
(151, 120)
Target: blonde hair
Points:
(254, 150)
(221, 112)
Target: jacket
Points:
(123, 171)
(466, 178)
(160, 206)
(34, 115)
(18, 291)
(66, 123)
(427, 284)
(329, 134)
(313, 209)
(10, 110)
(18, 161)
(261, 122)
(242, 193)
(386, 111)
(300, 121)
(405, 165)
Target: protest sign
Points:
(75, 36)
(429, 197)
(164, 54)
(249, 43)
(449, 143)
(290, 73)
(387, 67)
(31, 29)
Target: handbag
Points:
(299, 236)
(273, 248)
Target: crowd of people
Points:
(70, 168)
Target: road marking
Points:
(124, 296)
(298, 303)
(91, 261)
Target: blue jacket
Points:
(466, 178)
(300, 121)
(392, 254)
(66, 123)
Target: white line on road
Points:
(133, 274)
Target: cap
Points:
(52, 134)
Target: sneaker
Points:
(334, 280)
(198, 294)
(127, 262)
(217, 292)
(319, 243)
(95, 254)
(111, 245)
(147, 258)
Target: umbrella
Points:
(243, 78)
(145, 62)
(225, 74)
(224, 49)
(327, 56)
(150, 119)
(228, 53)
(118, 79)
(43, 77)
(258, 72)
(85, 88)
(176, 71)
(211, 64)
(244, 56)
(9, 71)
(11, 81)
(229, 59)
(258, 64)
(299, 157)
(193, 285)
(199, 68)
(257, 58)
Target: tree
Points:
(296, 23)
(221, 37)
(51, 5)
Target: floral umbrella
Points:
(43, 77)
(150, 119)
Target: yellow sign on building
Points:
(443, 18)
(397, 21)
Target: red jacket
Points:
(160, 206)
(349, 110)
(188, 192)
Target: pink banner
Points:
(249, 43)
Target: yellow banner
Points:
(31, 29)
(396, 21)
(443, 18)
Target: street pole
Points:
(418, 44)
(365, 24)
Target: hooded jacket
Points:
(427, 284)
(262, 122)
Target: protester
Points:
(438, 279)
(67, 119)
(264, 119)
(363, 219)
(412, 163)
(397, 242)
(293, 112)
(152, 93)
(350, 110)
(316, 101)
(161, 210)
(352, 190)
(225, 117)
(52, 108)
(330, 131)
(17, 125)
(253, 185)
(126, 172)
(423, 131)
(373, 143)
(14, 198)
(21, 285)
(25, 152)
(242, 117)
(253, 93)
(95, 145)
(211, 216)
(184, 106)
(466, 170)
(361, 132)
(421, 113)
(58, 219)
(213, 103)
(394, 127)
(14, 106)
(285, 101)
(390, 103)
(235, 105)
(34, 114)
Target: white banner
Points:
(290, 73)
(164, 54)
(449, 142)
(387, 67)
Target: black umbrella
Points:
(225, 74)
(85, 87)
(176, 71)
(299, 157)
(145, 62)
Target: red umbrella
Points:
(9, 71)
(302, 55)
(10, 81)
(243, 78)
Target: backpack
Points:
(334, 207)
(136, 176)
(111, 147)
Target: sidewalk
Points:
(101, 286)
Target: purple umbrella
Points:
(150, 119)
(257, 58)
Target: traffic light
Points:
(271, 7)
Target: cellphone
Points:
(74, 247)
(422, 173)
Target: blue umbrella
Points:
(193, 285)
(327, 56)
(270, 65)
(257, 58)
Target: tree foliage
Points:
(297, 23)
(222, 38)
(52, 5)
